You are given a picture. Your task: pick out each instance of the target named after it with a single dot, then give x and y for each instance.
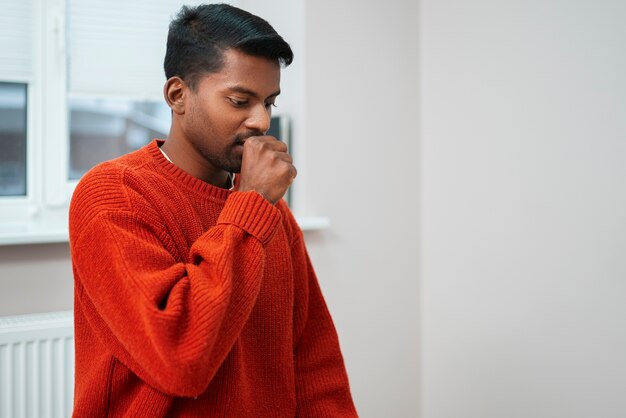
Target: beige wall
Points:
(524, 208)
(362, 171)
(35, 278)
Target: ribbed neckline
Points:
(181, 176)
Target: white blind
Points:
(16, 39)
(116, 47)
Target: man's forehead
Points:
(246, 74)
(249, 91)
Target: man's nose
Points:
(259, 118)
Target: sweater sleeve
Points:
(322, 387)
(172, 323)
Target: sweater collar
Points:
(181, 176)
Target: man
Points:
(194, 293)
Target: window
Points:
(13, 139)
(80, 82)
(20, 63)
(104, 91)
(102, 129)
(115, 105)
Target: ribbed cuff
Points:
(251, 212)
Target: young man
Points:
(194, 293)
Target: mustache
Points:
(240, 138)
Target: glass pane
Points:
(280, 129)
(102, 129)
(12, 139)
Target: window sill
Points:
(53, 229)
(37, 230)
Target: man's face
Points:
(229, 106)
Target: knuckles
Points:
(268, 143)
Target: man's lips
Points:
(242, 138)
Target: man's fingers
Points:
(267, 167)
(293, 171)
(285, 157)
(267, 142)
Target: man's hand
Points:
(266, 167)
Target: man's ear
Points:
(175, 92)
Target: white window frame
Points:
(20, 208)
(57, 188)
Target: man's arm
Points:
(322, 387)
(171, 322)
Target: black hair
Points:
(198, 37)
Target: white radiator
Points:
(36, 365)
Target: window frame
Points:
(24, 207)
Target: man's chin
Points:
(233, 168)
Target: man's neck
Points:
(187, 159)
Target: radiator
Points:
(36, 365)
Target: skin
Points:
(219, 127)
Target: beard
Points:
(228, 159)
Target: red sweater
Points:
(192, 300)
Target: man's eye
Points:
(237, 103)
(270, 104)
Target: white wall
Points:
(524, 208)
(362, 172)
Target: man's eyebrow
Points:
(243, 90)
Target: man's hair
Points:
(199, 36)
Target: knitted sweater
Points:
(192, 300)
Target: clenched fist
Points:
(266, 168)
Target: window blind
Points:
(17, 34)
(116, 47)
